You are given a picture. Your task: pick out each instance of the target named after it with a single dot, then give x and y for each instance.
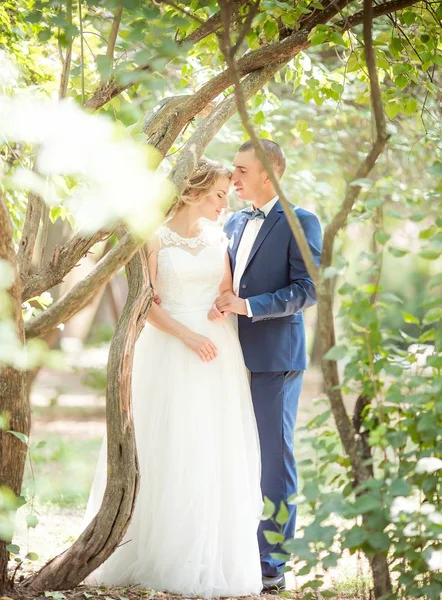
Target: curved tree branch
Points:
(241, 99)
(101, 536)
(353, 189)
(76, 298)
(67, 57)
(62, 262)
(197, 143)
(378, 11)
(110, 89)
(114, 32)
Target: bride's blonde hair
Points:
(200, 182)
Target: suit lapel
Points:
(271, 220)
(243, 220)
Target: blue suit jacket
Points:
(278, 287)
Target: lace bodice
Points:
(189, 270)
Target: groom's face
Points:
(248, 176)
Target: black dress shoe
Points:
(273, 585)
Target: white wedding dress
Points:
(194, 528)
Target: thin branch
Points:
(253, 10)
(183, 11)
(82, 40)
(62, 262)
(370, 59)
(353, 190)
(241, 100)
(64, 80)
(197, 143)
(44, 233)
(114, 32)
(109, 90)
(29, 233)
(211, 25)
(77, 297)
(378, 11)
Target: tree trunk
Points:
(14, 399)
(104, 533)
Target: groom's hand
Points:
(229, 303)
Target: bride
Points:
(194, 527)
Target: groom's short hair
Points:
(273, 151)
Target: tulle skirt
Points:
(194, 527)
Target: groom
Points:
(271, 289)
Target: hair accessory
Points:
(205, 167)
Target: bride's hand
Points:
(201, 345)
(215, 315)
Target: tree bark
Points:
(103, 534)
(76, 298)
(14, 400)
(63, 260)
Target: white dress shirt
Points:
(245, 246)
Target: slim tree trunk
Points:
(13, 396)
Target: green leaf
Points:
(401, 81)
(21, 436)
(54, 213)
(392, 109)
(429, 254)
(379, 540)
(427, 336)
(409, 318)
(336, 353)
(318, 38)
(411, 106)
(382, 237)
(274, 537)
(31, 521)
(397, 252)
(269, 509)
(355, 537)
(432, 316)
(365, 504)
(104, 65)
(301, 125)
(283, 514)
(399, 487)
(306, 136)
(408, 17)
(13, 549)
(434, 361)
(31, 556)
(436, 169)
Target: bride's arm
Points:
(160, 319)
(226, 285)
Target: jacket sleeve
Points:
(300, 294)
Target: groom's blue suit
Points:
(276, 283)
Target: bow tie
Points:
(255, 214)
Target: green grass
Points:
(62, 470)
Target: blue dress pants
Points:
(275, 399)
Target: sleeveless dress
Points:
(194, 527)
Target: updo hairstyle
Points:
(200, 182)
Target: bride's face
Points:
(215, 201)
